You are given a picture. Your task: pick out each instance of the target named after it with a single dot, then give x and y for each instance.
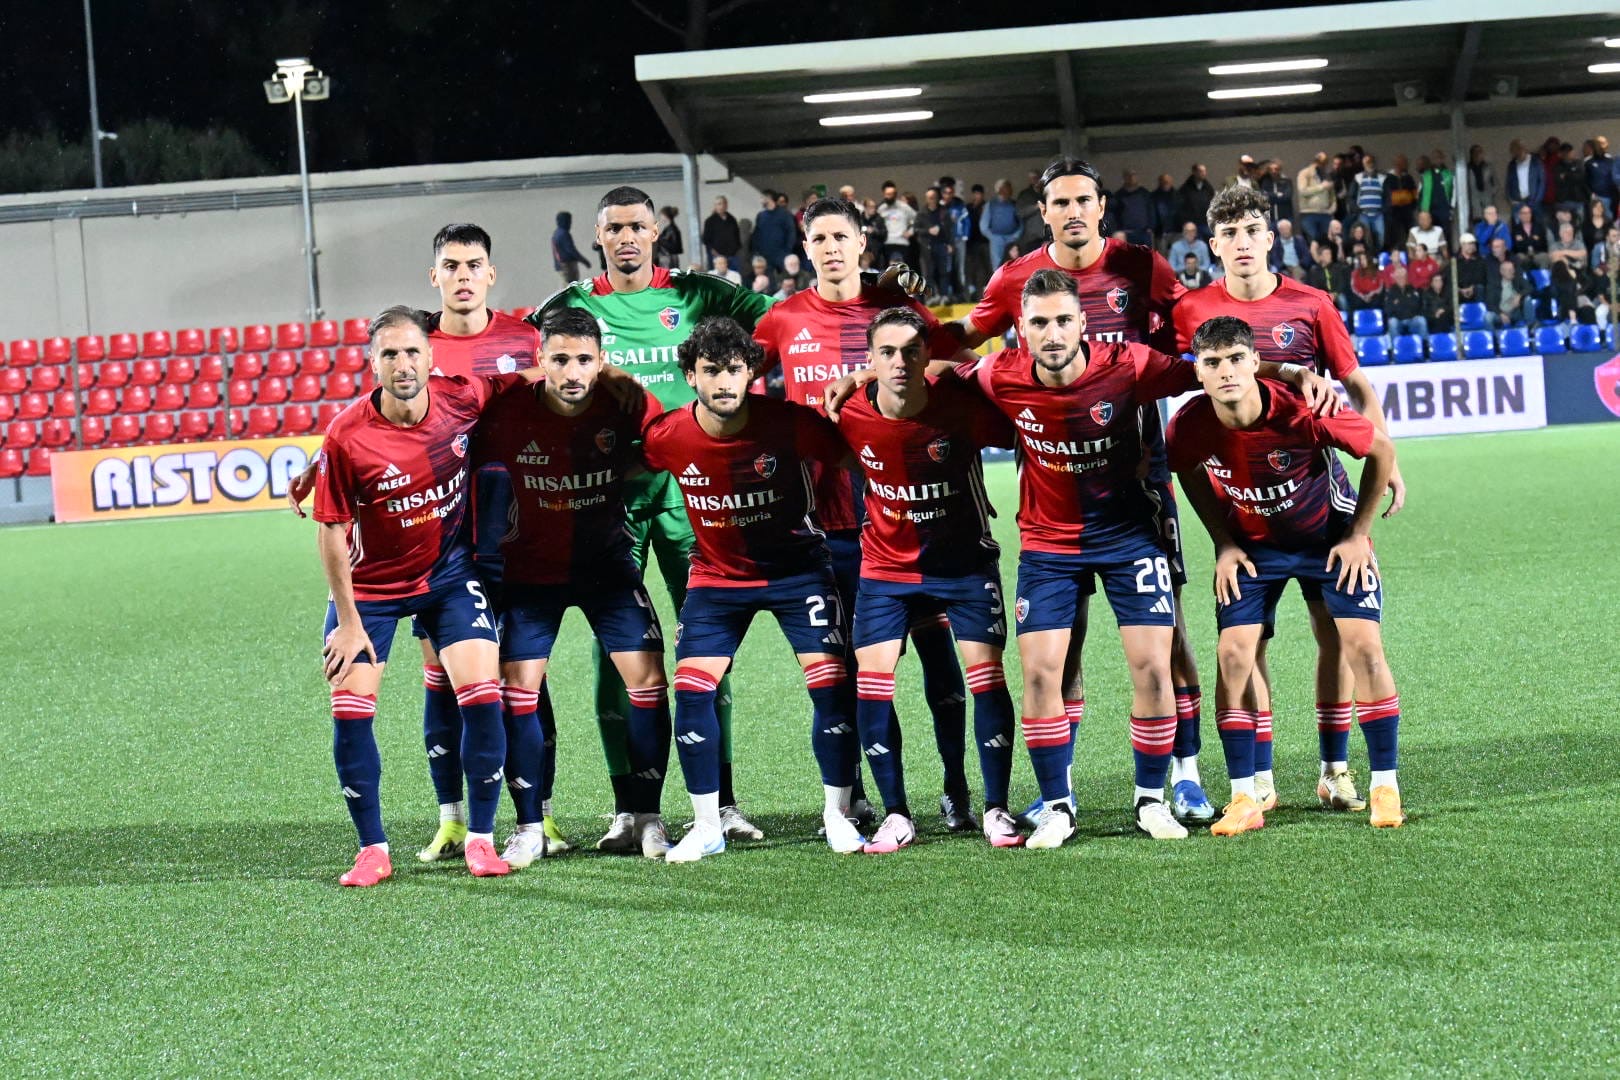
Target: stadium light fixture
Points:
(297, 80)
(877, 118)
(863, 95)
(1262, 67)
(1265, 91)
(1603, 69)
(1613, 43)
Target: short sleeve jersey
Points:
(927, 515)
(507, 344)
(1127, 294)
(1280, 480)
(403, 490)
(817, 341)
(1079, 449)
(641, 330)
(748, 496)
(1296, 324)
(567, 472)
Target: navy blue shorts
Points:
(451, 613)
(1050, 587)
(489, 519)
(807, 608)
(1276, 568)
(619, 611)
(886, 610)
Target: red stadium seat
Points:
(100, 402)
(231, 424)
(289, 335)
(195, 425)
(44, 378)
(180, 370)
(63, 402)
(146, 373)
(112, 374)
(93, 430)
(2, 353)
(327, 413)
(159, 428)
(323, 334)
(58, 350)
(256, 338)
(205, 395)
(211, 368)
(8, 408)
(354, 332)
(24, 353)
(39, 463)
(272, 391)
(155, 344)
(189, 343)
(90, 348)
(298, 420)
(306, 388)
(56, 433)
(21, 434)
(169, 397)
(32, 406)
(351, 358)
(86, 376)
(315, 361)
(247, 365)
(11, 464)
(241, 392)
(12, 381)
(340, 386)
(261, 422)
(137, 399)
(124, 431)
(123, 347)
(282, 363)
(222, 339)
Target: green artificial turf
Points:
(170, 835)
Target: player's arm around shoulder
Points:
(816, 436)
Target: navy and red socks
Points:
(697, 730)
(441, 734)
(525, 752)
(879, 729)
(483, 751)
(359, 765)
(992, 730)
(833, 738)
(648, 744)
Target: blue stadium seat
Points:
(1442, 346)
(1550, 340)
(1541, 278)
(1409, 349)
(1613, 337)
(1515, 341)
(1547, 310)
(1366, 322)
(1471, 316)
(1371, 351)
(1383, 260)
(1479, 345)
(1585, 338)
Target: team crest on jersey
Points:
(1279, 460)
(1283, 334)
(606, 440)
(1102, 412)
(940, 448)
(765, 465)
(670, 317)
(1119, 300)
(1021, 610)
(459, 445)
(506, 363)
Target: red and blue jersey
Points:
(749, 496)
(505, 345)
(1079, 451)
(1296, 324)
(403, 490)
(1280, 480)
(927, 515)
(567, 520)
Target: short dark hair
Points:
(571, 322)
(398, 315)
(897, 316)
(1222, 332)
(462, 233)
(1234, 203)
(719, 338)
(947, 181)
(832, 204)
(889, 183)
(1068, 166)
(625, 195)
(669, 212)
(1049, 283)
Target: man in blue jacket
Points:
(1000, 222)
(1525, 181)
(774, 230)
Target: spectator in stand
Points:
(1329, 274)
(1345, 192)
(1000, 222)
(1032, 234)
(1402, 194)
(978, 243)
(1313, 188)
(847, 193)
(1483, 189)
(1600, 173)
(1472, 271)
(1568, 248)
(1131, 209)
(1597, 224)
(1491, 227)
(1191, 275)
(1196, 194)
(1360, 238)
(668, 249)
(760, 278)
(722, 235)
(1421, 267)
(954, 229)
(1563, 292)
(1166, 225)
(1526, 182)
(1436, 189)
(1335, 240)
(1288, 251)
(1437, 315)
(794, 269)
(1601, 251)
(774, 231)
(1573, 191)
(1372, 201)
(1500, 252)
(1012, 253)
(786, 288)
(1279, 191)
(565, 257)
(1247, 174)
(1366, 283)
(1550, 158)
(872, 226)
(934, 245)
(1190, 244)
(720, 266)
(1426, 234)
(1403, 306)
(1529, 241)
(899, 219)
(1505, 296)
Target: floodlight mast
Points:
(294, 80)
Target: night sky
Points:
(422, 81)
